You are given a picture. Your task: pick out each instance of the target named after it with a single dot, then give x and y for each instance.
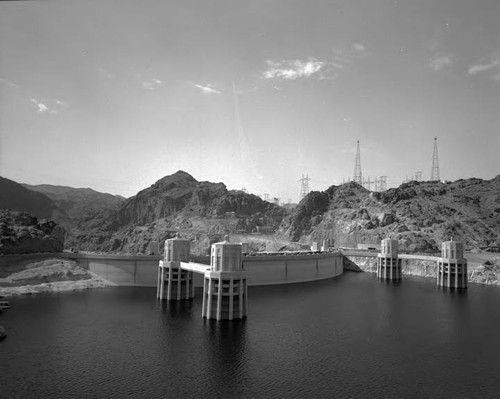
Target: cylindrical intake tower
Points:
(452, 266)
(225, 284)
(175, 284)
(388, 263)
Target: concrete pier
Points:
(452, 266)
(174, 283)
(388, 262)
(225, 293)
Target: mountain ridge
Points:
(419, 214)
(202, 210)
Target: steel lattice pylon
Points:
(435, 176)
(304, 186)
(358, 177)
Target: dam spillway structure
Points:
(452, 266)
(225, 293)
(174, 283)
(388, 262)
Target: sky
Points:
(115, 95)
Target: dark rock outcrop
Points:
(419, 214)
(201, 210)
(21, 233)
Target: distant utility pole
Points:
(383, 183)
(380, 183)
(304, 186)
(358, 178)
(266, 197)
(435, 175)
(367, 183)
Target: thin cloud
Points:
(438, 62)
(105, 74)
(8, 83)
(151, 84)
(61, 103)
(41, 107)
(358, 47)
(294, 69)
(206, 89)
(49, 107)
(480, 68)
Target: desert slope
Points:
(203, 211)
(419, 214)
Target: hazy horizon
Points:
(114, 95)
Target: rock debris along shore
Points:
(481, 270)
(47, 275)
(3, 305)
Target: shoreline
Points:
(47, 275)
(487, 273)
(53, 287)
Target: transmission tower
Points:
(358, 178)
(304, 186)
(266, 197)
(418, 176)
(435, 163)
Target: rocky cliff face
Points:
(169, 195)
(200, 210)
(419, 214)
(21, 233)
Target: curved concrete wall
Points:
(124, 270)
(266, 270)
(262, 270)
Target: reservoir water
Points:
(352, 336)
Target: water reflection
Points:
(226, 354)
(176, 308)
(352, 336)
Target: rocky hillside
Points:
(21, 233)
(66, 205)
(419, 214)
(18, 198)
(78, 203)
(203, 211)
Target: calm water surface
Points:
(352, 336)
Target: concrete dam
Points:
(281, 268)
